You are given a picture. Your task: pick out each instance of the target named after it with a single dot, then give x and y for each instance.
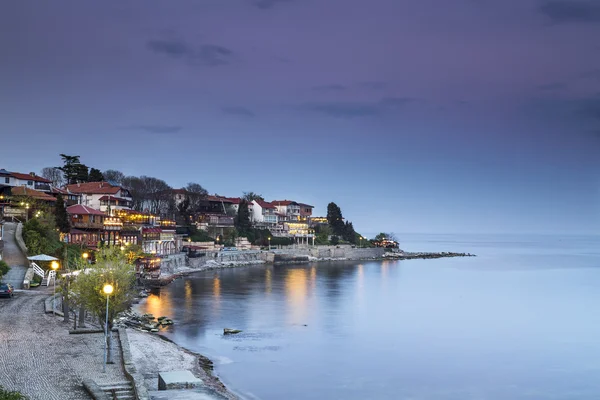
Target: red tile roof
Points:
(305, 205)
(264, 204)
(29, 177)
(282, 202)
(83, 210)
(94, 188)
(35, 194)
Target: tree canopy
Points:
(113, 176)
(62, 218)
(251, 196)
(335, 219)
(95, 175)
(242, 220)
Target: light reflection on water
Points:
(447, 329)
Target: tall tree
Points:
(196, 193)
(335, 219)
(138, 191)
(242, 220)
(95, 175)
(60, 213)
(82, 173)
(184, 213)
(250, 196)
(70, 168)
(349, 233)
(53, 174)
(113, 176)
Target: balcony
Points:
(87, 225)
(220, 221)
(44, 187)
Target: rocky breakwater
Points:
(405, 255)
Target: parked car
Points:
(6, 290)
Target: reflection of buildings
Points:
(296, 290)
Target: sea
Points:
(521, 320)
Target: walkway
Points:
(13, 256)
(39, 358)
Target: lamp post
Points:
(54, 267)
(107, 289)
(361, 238)
(85, 257)
(269, 242)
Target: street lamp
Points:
(269, 242)
(54, 266)
(361, 238)
(107, 289)
(85, 256)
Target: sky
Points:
(465, 116)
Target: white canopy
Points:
(42, 257)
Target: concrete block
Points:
(178, 380)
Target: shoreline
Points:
(210, 265)
(204, 366)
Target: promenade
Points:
(39, 358)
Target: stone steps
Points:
(118, 390)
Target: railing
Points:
(87, 225)
(37, 270)
(41, 186)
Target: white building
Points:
(103, 196)
(31, 180)
(263, 213)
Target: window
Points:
(7, 180)
(29, 183)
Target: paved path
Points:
(13, 256)
(39, 358)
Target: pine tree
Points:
(61, 215)
(335, 219)
(242, 220)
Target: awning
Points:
(42, 257)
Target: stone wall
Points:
(19, 238)
(170, 263)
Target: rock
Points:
(227, 331)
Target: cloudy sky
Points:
(413, 116)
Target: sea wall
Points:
(172, 262)
(289, 255)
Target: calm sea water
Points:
(520, 321)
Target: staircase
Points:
(119, 390)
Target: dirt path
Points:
(39, 358)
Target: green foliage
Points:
(40, 235)
(95, 175)
(11, 395)
(201, 236)
(250, 196)
(335, 240)
(281, 241)
(322, 232)
(383, 236)
(111, 267)
(228, 237)
(242, 220)
(349, 235)
(61, 215)
(335, 219)
(4, 268)
(74, 171)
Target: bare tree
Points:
(114, 176)
(53, 174)
(196, 193)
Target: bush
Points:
(4, 268)
(8, 395)
(335, 240)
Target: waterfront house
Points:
(264, 214)
(103, 196)
(292, 210)
(87, 226)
